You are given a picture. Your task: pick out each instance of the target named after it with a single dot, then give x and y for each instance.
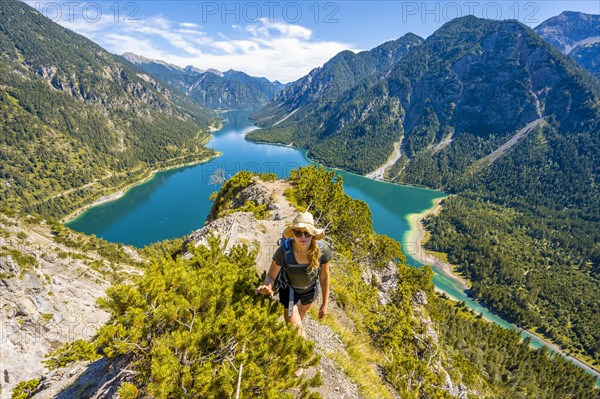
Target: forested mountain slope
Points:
(341, 73)
(472, 77)
(78, 121)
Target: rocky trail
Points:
(262, 235)
(55, 302)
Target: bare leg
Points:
(298, 312)
(302, 309)
(295, 320)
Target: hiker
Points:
(306, 266)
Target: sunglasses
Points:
(298, 233)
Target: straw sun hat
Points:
(303, 221)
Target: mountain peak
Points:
(215, 72)
(140, 59)
(570, 29)
(577, 35)
(135, 58)
(575, 14)
(191, 68)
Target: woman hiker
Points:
(306, 266)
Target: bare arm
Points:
(324, 281)
(267, 286)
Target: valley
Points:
(473, 149)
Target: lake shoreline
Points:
(413, 240)
(121, 192)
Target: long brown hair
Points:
(314, 253)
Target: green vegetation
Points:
(485, 354)
(109, 251)
(25, 389)
(525, 231)
(25, 261)
(78, 123)
(79, 350)
(228, 199)
(128, 391)
(520, 274)
(163, 249)
(358, 148)
(190, 325)
(358, 359)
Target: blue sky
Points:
(281, 40)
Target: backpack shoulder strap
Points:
(286, 245)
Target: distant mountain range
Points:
(212, 88)
(78, 121)
(577, 35)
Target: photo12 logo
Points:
(218, 172)
(91, 12)
(254, 11)
(444, 11)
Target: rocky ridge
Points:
(100, 379)
(48, 294)
(262, 235)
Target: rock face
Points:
(569, 29)
(577, 35)
(244, 228)
(99, 379)
(48, 296)
(386, 280)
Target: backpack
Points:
(282, 280)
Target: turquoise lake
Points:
(175, 202)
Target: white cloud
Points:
(267, 28)
(189, 25)
(272, 49)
